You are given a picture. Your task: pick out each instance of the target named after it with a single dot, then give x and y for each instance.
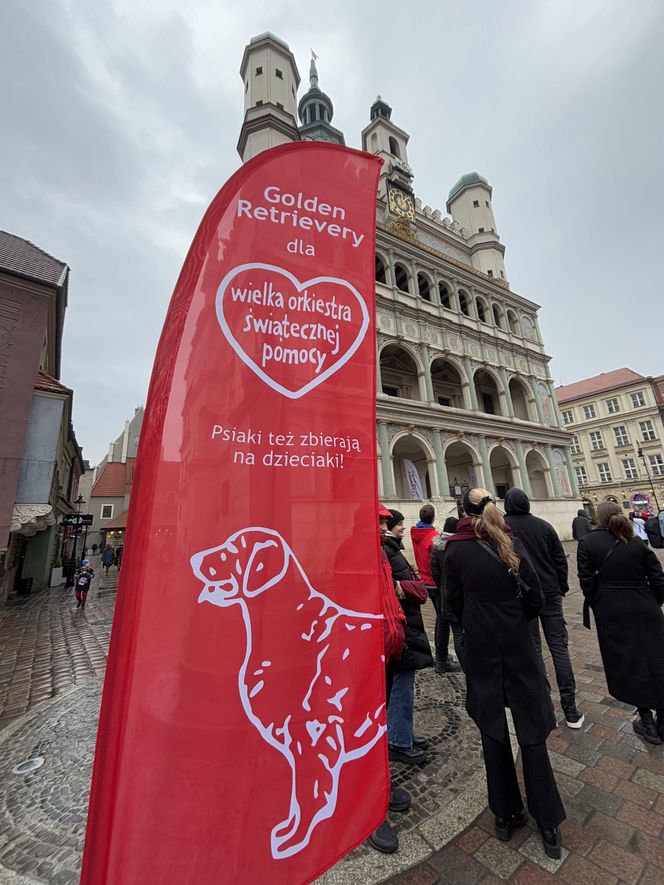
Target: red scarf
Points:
(465, 531)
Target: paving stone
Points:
(456, 867)
(611, 830)
(533, 849)
(532, 874)
(564, 765)
(599, 777)
(651, 876)
(471, 840)
(649, 779)
(641, 819)
(422, 874)
(640, 795)
(579, 871)
(616, 860)
(497, 857)
(602, 800)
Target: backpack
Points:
(394, 631)
(654, 532)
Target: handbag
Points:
(532, 604)
(414, 588)
(586, 601)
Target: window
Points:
(259, 71)
(278, 73)
(280, 106)
(621, 436)
(581, 476)
(479, 306)
(423, 287)
(575, 447)
(568, 417)
(647, 432)
(657, 465)
(604, 472)
(394, 147)
(487, 402)
(487, 204)
(444, 401)
(444, 293)
(259, 102)
(391, 391)
(596, 440)
(638, 399)
(630, 468)
(612, 406)
(489, 273)
(589, 411)
(381, 276)
(401, 277)
(107, 511)
(463, 304)
(476, 204)
(480, 230)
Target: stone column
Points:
(441, 467)
(379, 380)
(386, 461)
(538, 404)
(558, 492)
(486, 466)
(428, 383)
(523, 469)
(508, 395)
(471, 386)
(573, 482)
(391, 281)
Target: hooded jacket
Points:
(422, 535)
(581, 525)
(541, 542)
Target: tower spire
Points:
(316, 111)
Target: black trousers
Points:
(441, 633)
(544, 802)
(555, 633)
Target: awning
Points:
(28, 519)
(117, 524)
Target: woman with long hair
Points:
(492, 588)
(623, 582)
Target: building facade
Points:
(464, 392)
(617, 444)
(40, 460)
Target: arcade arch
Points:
(503, 470)
(401, 278)
(413, 463)
(538, 474)
(381, 269)
(462, 464)
(521, 398)
(447, 384)
(488, 395)
(399, 373)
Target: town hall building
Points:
(464, 393)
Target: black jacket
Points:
(417, 651)
(581, 525)
(502, 665)
(541, 542)
(438, 574)
(626, 599)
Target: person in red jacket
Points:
(422, 536)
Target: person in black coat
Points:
(581, 525)
(623, 582)
(485, 570)
(403, 745)
(549, 561)
(437, 573)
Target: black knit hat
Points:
(395, 519)
(476, 509)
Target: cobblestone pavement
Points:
(52, 658)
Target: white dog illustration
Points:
(299, 676)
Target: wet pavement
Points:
(52, 658)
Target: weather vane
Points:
(314, 56)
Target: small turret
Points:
(469, 204)
(385, 139)
(271, 80)
(316, 111)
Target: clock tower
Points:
(385, 139)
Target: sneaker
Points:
(551, 842)
(411, 756)
(420, 742)
(384, 839)
(505, 826)
(399, 799)
(575, 719)
(645, 727)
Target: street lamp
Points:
(650, 479)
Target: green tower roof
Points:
(468, 178)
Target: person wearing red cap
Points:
(384, 839)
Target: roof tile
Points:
(597, 384)
(22, 257)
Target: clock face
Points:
(401, 203)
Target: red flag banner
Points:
(242, 730)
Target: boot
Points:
(420, 742)
(645, 727)
(400, 799)
(551, 841)
(412, 756)
(449, 665)
(505, 826)
(384, 839)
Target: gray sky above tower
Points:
(121, 117)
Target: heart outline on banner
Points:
(248, 361)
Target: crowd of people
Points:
(494, 579)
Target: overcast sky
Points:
(120, 121)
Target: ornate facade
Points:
(464, 392)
